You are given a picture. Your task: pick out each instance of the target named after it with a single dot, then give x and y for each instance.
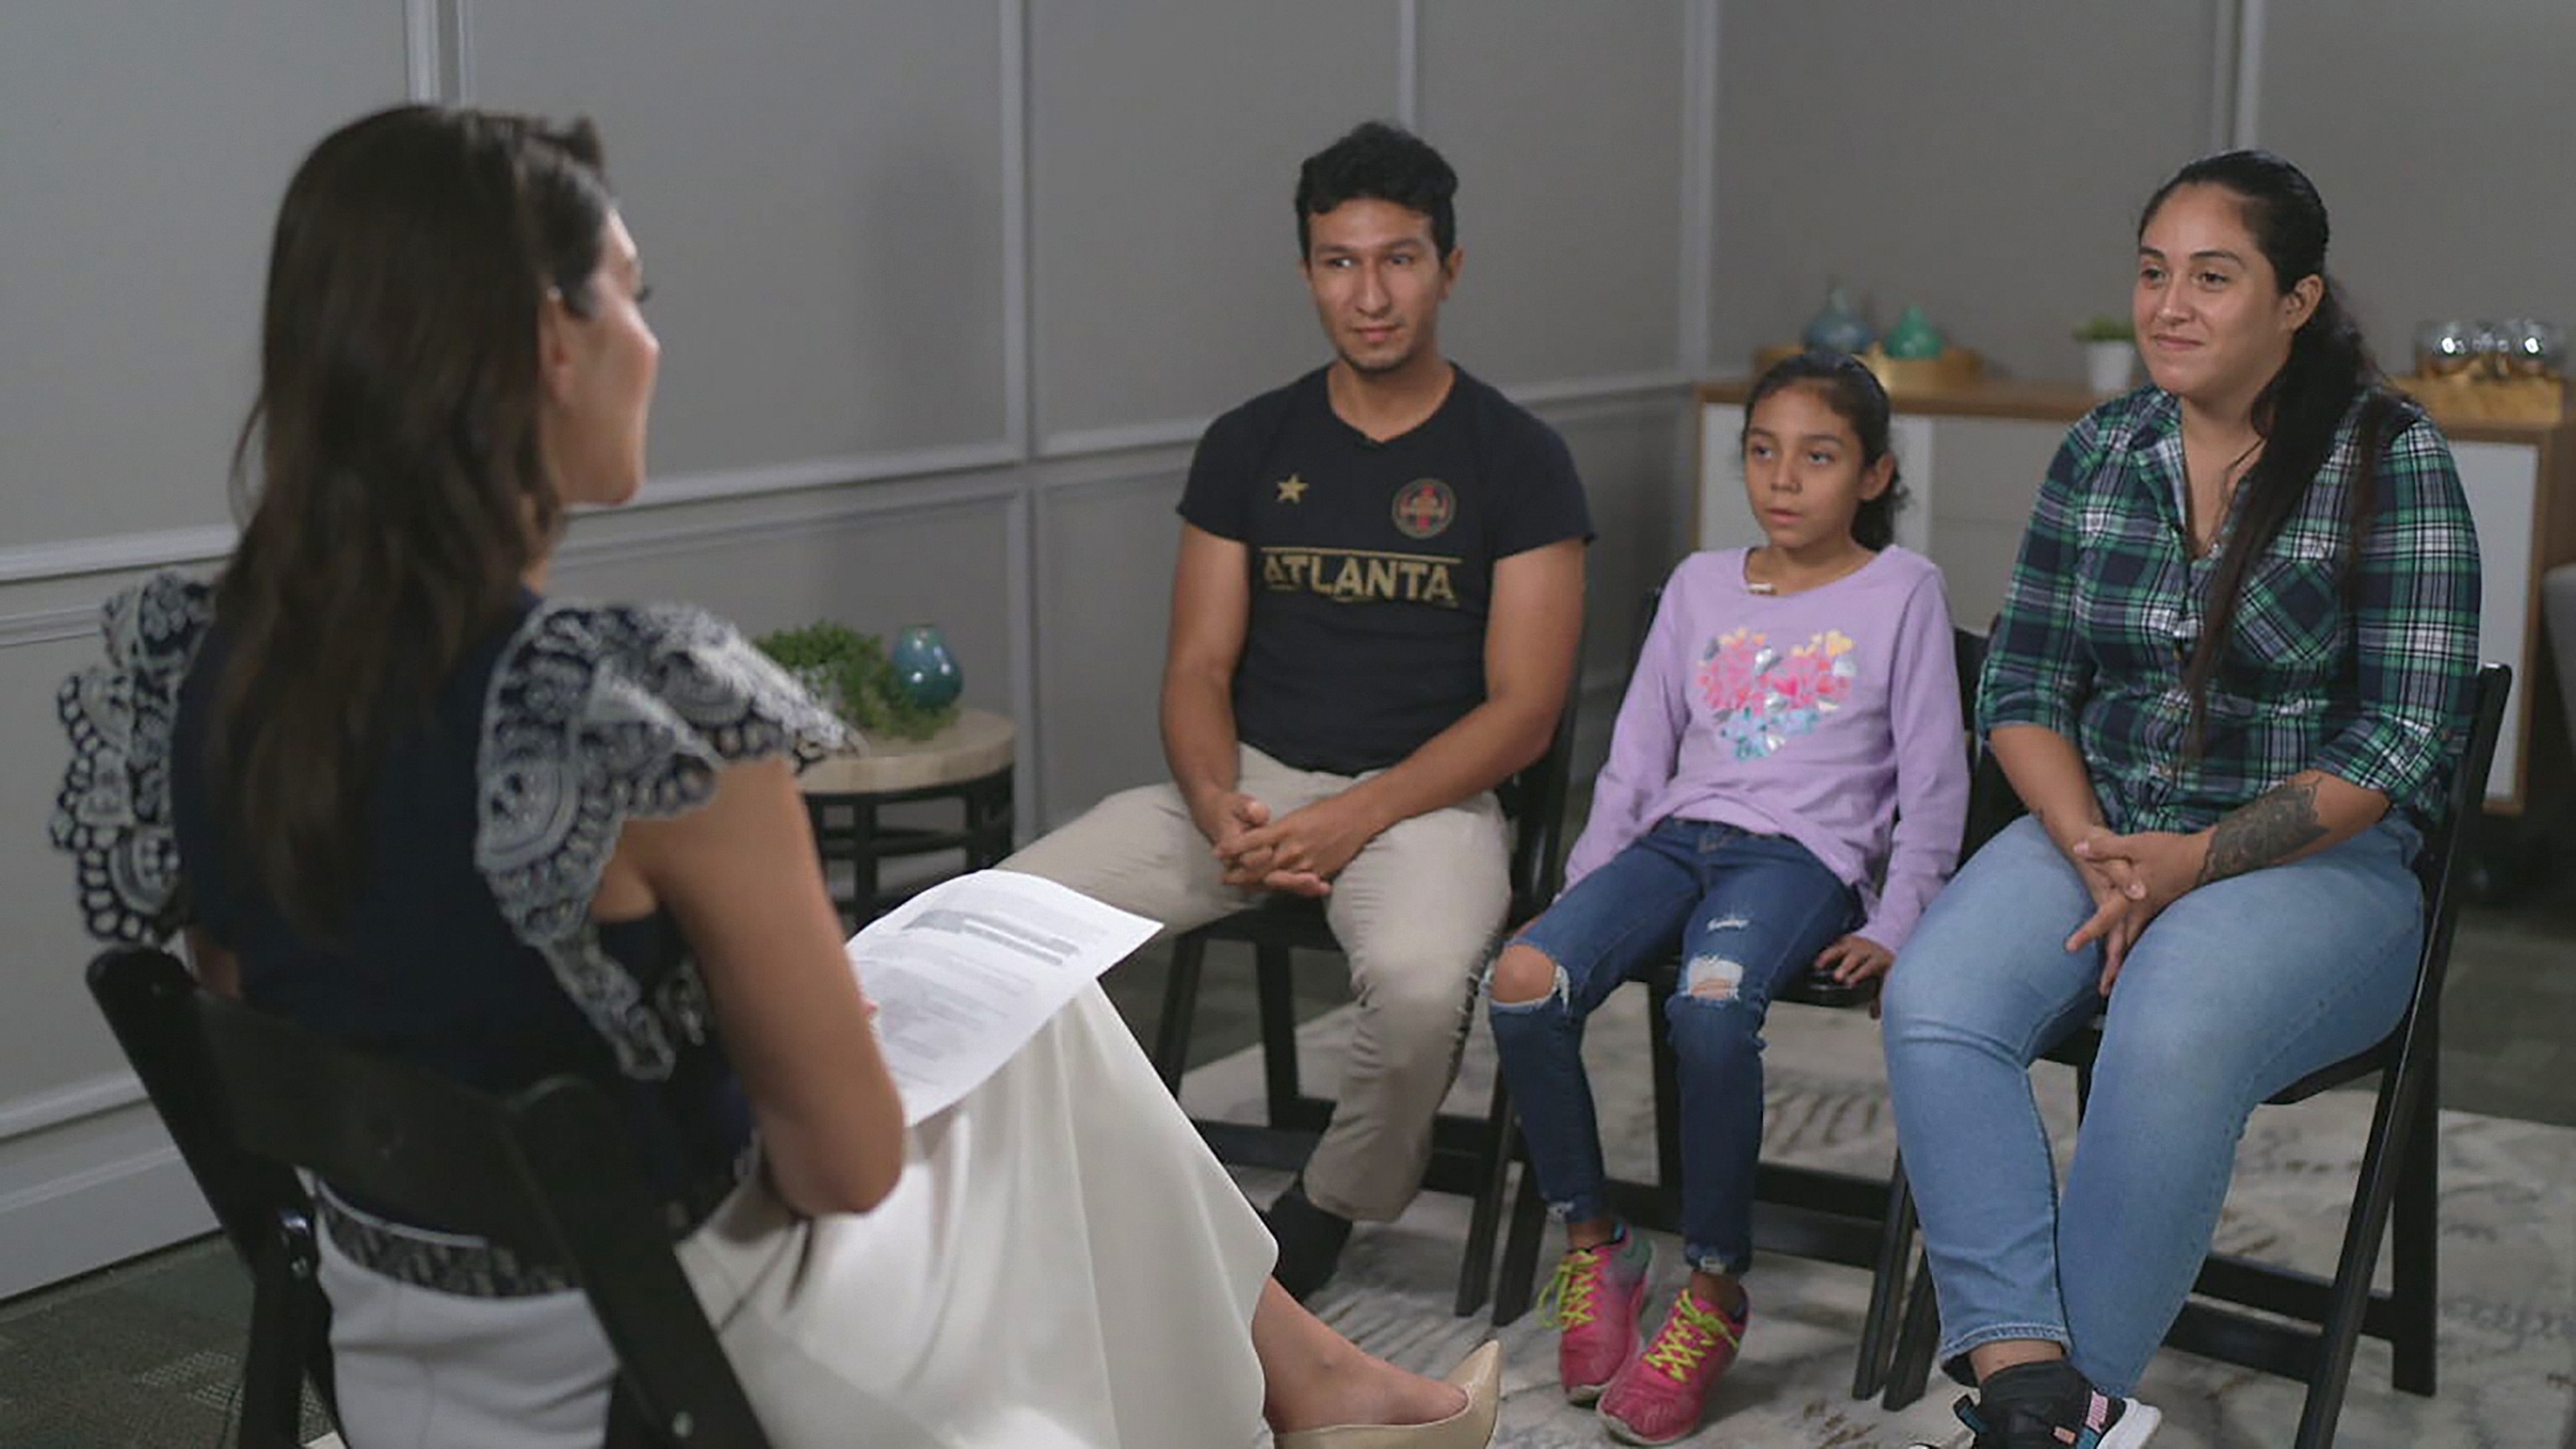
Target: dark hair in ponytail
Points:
(1853, 392)
(2299, 412)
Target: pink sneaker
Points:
(1592, 1302)
(1661, 1394)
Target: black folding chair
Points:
(250, 1098)
(1805, 1212)
(1464, 1150)
(2399, 1166)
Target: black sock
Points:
(1310, 1241)
(2049, 1386)
(1297, 1201)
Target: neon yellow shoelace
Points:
(1566, 1301)
(1686, 1338)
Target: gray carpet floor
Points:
(145, 1355)
(2507, 1351)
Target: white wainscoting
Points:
(90, 1192)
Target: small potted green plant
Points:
(849, 672)
(2110, 348)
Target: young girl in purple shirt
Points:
(1784, 794)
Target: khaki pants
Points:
(1416, 911)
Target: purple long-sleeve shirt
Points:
(1829, 716)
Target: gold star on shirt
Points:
(1292, 489)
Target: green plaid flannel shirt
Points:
(2370, 686)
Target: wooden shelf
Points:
(2047, 402)
(2058, 402)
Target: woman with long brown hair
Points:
(2230, 680)
(394, 792)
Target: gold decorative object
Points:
(1955, 368)
(2469, 397)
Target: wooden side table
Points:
(968, 762)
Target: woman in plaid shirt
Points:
(2230, 676)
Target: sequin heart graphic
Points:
(1762, 699)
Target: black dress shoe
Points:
(1310, 1241)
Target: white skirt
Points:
(1062, 1266)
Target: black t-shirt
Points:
(1373, 563)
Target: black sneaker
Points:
(2051, 1406)
(1310, 1241)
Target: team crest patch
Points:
(1423, 507)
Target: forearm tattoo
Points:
(2266, 830)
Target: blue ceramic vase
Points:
(923, 667)
(1838, 328)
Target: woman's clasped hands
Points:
(2132, 879)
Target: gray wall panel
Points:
(1978, 559)
(817, 192)
(2436, 135)
(1165, 139)
(143, 148)
(948, 565)
(1563, 122)
(1985, 158)
(1627, 455)
(1105, 554)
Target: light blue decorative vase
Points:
(1838, 328)
(923, 667)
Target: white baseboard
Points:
(59, 1224)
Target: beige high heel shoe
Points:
(1480, 1374)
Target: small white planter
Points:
(2108, 365)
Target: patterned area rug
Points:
(2507, 1365)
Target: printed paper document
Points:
(966, 972)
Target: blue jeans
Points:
(1749, 912)
(2238, 989)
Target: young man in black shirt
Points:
(1374, 621)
